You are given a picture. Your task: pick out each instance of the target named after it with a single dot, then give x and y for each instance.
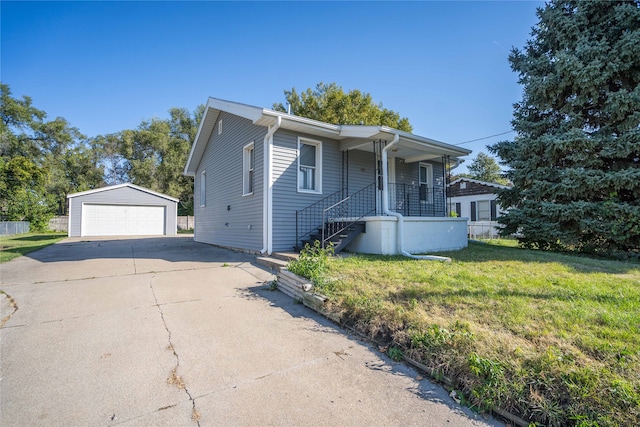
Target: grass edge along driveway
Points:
(550, 337)
(14, 246)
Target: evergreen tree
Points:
(575, 162)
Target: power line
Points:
(486, 137)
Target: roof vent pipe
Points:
(385, 208)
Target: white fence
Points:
(483, 229)
(9, 228)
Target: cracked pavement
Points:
(166, 331)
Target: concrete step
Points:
(273, 263)
(286, 256)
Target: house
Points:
(267, 181)
(122, 210)
(476, 200)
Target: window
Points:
(309, 166)
(248, 166)
(203, 188)
(426, 183)
(484, 210)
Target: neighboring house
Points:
(476, 200)
(122, 210)
(267, 181)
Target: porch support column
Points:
(386, 211)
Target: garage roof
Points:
(115, 187)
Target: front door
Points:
(426, 184)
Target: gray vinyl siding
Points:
(286, 198)
(121, 196)
(230, 218)
(408, 173)
(362, 170)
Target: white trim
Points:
(350, 135)
(267, 200)
(246, 168)
(429, 168)
(127, 184)
(476, 181)
(317, 172)
(488, 202)
(428, 183)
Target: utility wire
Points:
(486, 137)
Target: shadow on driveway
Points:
(170, 248)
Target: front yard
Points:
(552, 338)
(17, 245)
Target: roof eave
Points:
(116, 186)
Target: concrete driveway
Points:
(166, 331)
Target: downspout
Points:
(267, 196)
(400, 218)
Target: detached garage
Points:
(122, 210)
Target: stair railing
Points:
(336, 205)
(346, 212)
(309, 219)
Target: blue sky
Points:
(106, 66)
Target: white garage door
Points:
(122, 220)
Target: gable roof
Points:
(410, 147)
(115, 187)
(476, 181)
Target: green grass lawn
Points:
(17, 245)
(550, 337)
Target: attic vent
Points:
(220, 127)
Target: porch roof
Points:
(410, 147)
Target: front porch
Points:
(420, 235)
(358, 222)
(400, 203)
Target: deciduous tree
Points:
(485, 168)
(153, 155)
(329, 103)
(43, 161)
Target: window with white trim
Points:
(309, 166)
(484, 210)
(248, 168)
(203, 188)
(426, 182)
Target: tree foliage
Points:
(42, 161)
(485, 168)
(153, 155)
(575, 162)
(329, 103)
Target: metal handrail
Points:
(330, 228)
(336, 204)
(308, 219)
